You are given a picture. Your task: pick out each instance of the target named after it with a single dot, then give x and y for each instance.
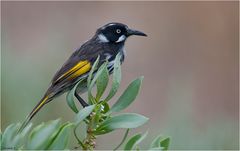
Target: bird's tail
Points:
(40, 104)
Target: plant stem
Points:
(89, 142)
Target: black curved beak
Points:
(135, 32)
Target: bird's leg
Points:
(81, 101)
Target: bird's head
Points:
(116, 33)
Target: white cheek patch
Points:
(121, 38)
(103, 38)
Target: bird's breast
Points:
(110, 56)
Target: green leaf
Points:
(99, 72)
(128, 96)
(60, 141)
(70, 97)
(165, 143)
(134, 141)
(82, 114)
(160, 142)
(8, 136)
(42, 135)
(89, 80)
(116, 78)
(95, 64)
(126, 120)
(156, 142)
(11, 139)
(102, 82)
(18, 140)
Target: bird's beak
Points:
(135, 32)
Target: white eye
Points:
(118, 31)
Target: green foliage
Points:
(82, 114)
(10, 140)
(60, 141)
(134, 141)
(126, 120)
(50, 135)
(70, 98)
(117, 76)
(98, 117)
(102, 83)
(128, 96)
(90, 81)
(160, 142)
(41, 135)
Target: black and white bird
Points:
(108, 41)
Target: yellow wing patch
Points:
(79, 69)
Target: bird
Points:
(107, 42)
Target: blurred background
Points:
(189, 61)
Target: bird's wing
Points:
(71, 72)
(74, 67)
(78, 64)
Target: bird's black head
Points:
(116, 33)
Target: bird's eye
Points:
(118, 31)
